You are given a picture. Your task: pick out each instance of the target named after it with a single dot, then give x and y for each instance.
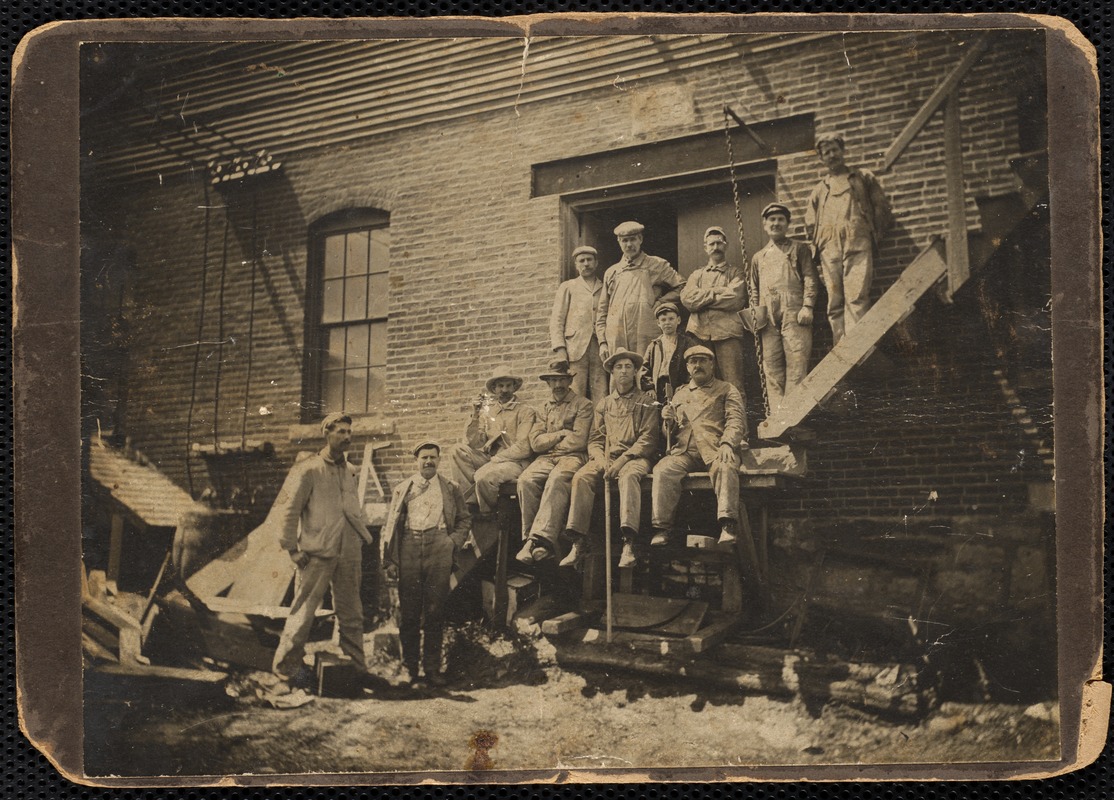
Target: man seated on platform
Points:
(624, 440)
(427, 523)
(561, 441)
(496, 446)
(706, 423)
(322, 525)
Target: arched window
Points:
(346, 313)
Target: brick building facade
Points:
(492, 164)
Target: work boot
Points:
(576, 552)
(727, 532)
(436, 678)
(661, 538)
(526, 554)
(627, 558)
(541, 552)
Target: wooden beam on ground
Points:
(564, 623)
(123, 630)
(711, 635)
(926, 269)
(933, 103)
(231, 605)
(165, 673)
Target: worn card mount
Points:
(252, 224)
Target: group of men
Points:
(666, 399)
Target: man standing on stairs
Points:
(846, 217)
(427, 524)
(560, 440)
(496, 446)
(707, 421)
(624, 441)
(322, 525)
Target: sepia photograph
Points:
(579, 405)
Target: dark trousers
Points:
(426, 561)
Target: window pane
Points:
(377, 356)
(377, 387)
(332, 391)
(355, 298)
(355, 390)
(332, 302)
(357, 253)
(377, 295)
(356, 337)
(334, 256)
(334, 349)
(380, 249)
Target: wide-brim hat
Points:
(621, 354)
(557, 372)
(503, 373)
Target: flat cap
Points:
(424, 445)
(666, 305)
(629, 228)
(715, 229)
(829, 137)
(698, 350)
(584, 249)
(776, 208)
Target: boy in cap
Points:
(322, 524)
(561, 441)
(846, 217)
(427, 523)
(631, 289)
(782, 293)
(708, 423)
(572, 327)
(714, 296)
(624, 440)
(496, 446)
(665, 357)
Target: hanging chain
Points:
(745, 269)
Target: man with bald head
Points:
(631, 289)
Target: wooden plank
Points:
(711, 635)
(115, 549)
(229, 605)
(95, 649)
(265, 579)
(564, 623)
(165, 673)
(920, 276)
(658, 614)
(958, 260)
(652, 644)
(933, 103)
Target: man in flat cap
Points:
(572, 327)
(323, 527)
(496, 446)
(708, 427)
(625, 432)
(714, 296)
(427, 523)
(631, 289)
(846, 217)
(782, 293)
(561, 442)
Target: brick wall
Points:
(475, 260)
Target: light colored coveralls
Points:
(319, 513)
(714, 295)
(630, 425)
(707, 417)
(544, 486)
(625, 315)
(508, 428)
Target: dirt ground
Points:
(543, 717)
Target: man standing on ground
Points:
(714, 295)
(631, 289)
(708, 426)
(624, 441)
(561, 441)
(572, 327)
(846, 217)
(783, 293)
(428, 522)
(496, 446)
(322, 527)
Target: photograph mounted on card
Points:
(581, 399)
